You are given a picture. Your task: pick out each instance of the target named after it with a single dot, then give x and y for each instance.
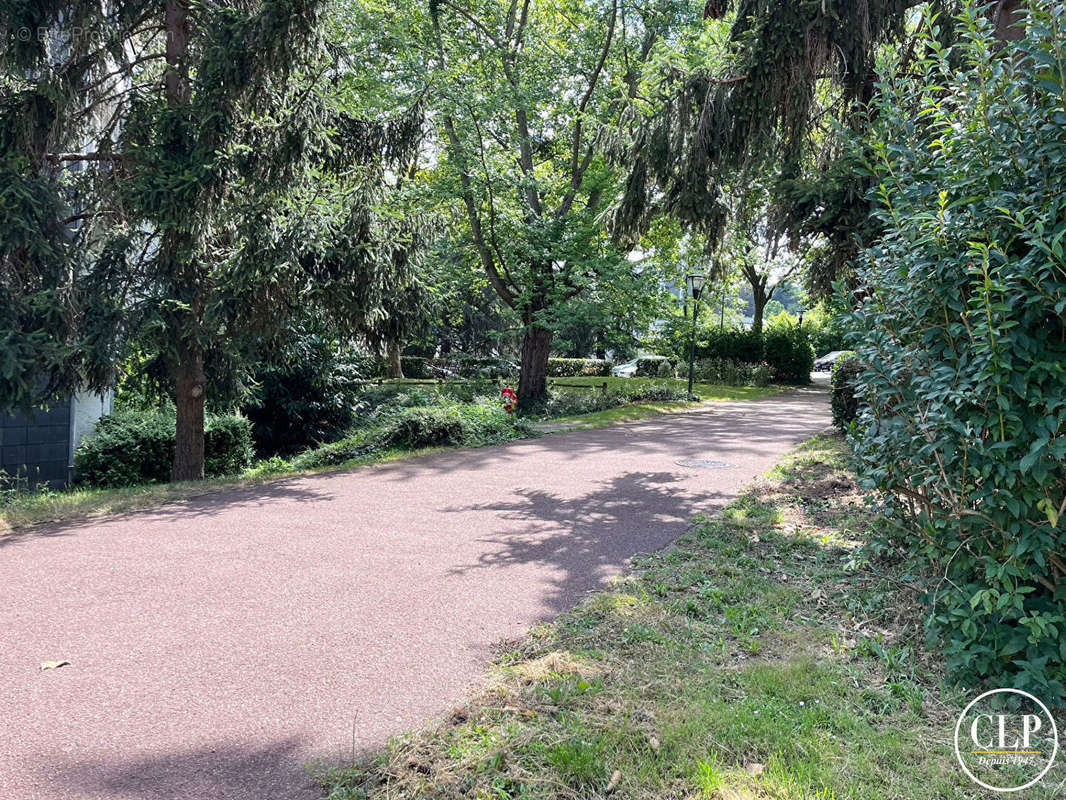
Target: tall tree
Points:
(528, 97)
(212, 194)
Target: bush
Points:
(844, 399)
(305, 402)
(656, 367)
(731, 373)
(415, 367)
(789, 354)
(227, 444)
(133, 447)
(411, 428)
(567, 403)
(962, 330)
(575, 367)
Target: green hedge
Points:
(133, 447)
(575, 367)
(786, 350)
(727, 372)
(844, 399)
(789, 353)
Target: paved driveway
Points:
(219, 644)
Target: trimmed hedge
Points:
(786, 350)
(789, 353)
(133, 447)
(579, 367)
(727, 372)
(844, 401)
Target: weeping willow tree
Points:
(793, 72)
(177, 177)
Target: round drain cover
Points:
(704, 463)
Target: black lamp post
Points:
(695, 286)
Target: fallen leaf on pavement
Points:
(54, 664)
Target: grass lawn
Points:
(22, 510)
(705, 391)
(757, 658)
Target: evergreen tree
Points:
(172, 177)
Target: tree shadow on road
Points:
(233, 771)
(586, 539)
(184, 510)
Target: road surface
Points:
(218, 645)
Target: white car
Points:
(626, 370)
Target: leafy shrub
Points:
(133, 447)
(656, 367)
(308, 400)
(415, 367)
(227, 444)
(414, 427)
(565, 403)
(962, 330)
(789, 354)
(575, 367)
(844, 399)
(731, 373)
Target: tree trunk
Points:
(189, 390)
(394, 365)
(533, 374)
(759, 301)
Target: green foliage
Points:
(844, 399)
(134, 447)
(786, 349)
(415, 367)
(656, 367)
(414, 427)
(308, 400)
(567, 403)
(728, 372)
(573, 367)
(457, 366)
(789, 353)
(961, 328)
(227, 444)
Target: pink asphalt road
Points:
(218, 645)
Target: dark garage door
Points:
(36, 446)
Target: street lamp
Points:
(695, 287)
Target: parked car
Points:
(826, 362)
(626, 370)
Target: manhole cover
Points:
(704, 463)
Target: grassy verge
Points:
(757, 658)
